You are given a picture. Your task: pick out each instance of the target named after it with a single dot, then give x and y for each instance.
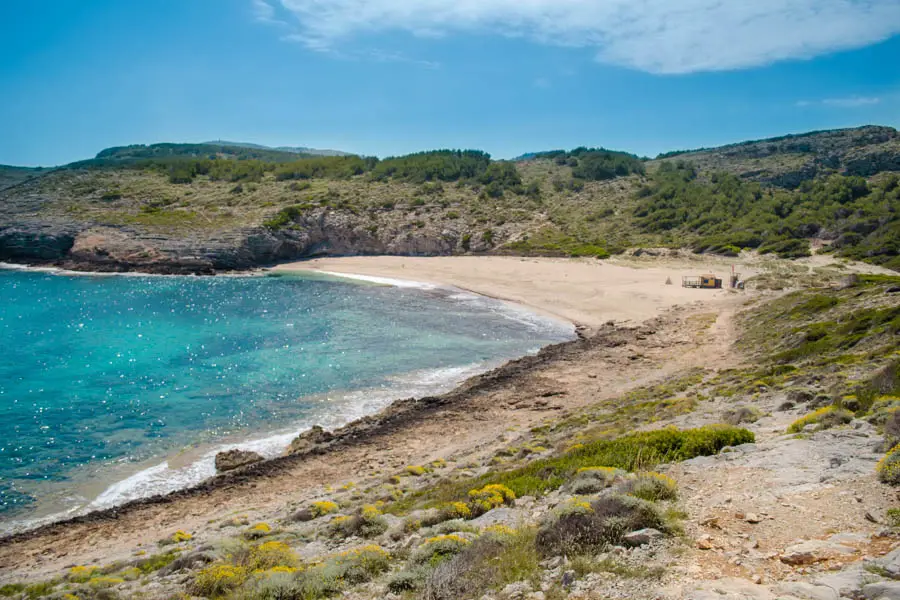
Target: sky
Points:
(389, 77)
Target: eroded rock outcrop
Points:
(235, 459)
(308, 440)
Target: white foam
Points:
(401, 283)
(508, 310)
(341, 409)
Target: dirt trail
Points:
(467, 424)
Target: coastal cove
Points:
(124, 387)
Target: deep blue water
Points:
(97, 372)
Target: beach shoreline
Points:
(584, 292)
(405, 431)
(111, 493)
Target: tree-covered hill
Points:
(184, 205)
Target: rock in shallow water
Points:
(235, 459)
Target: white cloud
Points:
(659, 36)
(848, 102)
(852, 102)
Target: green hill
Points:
(202, 207)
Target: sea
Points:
(119, 387)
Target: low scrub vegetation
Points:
(630, 452)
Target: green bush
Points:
(607, 520)
(824, 418)
(367, 522)
(651, 486)
(888, 468)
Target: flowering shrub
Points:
(218, 579)
(651, 486)
(490, 497)
(888, 468)
(80, 574)
(367, 522)
(825, 418)
(322, 508)
(181, 536)
(454, 510)
(270, 555)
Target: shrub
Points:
(888, 468)
(490, 562)
(217, 580)
(105, 581)
(610, 518)
(315, 510)
(274, 584)
(453, 526)
(156, 562)
(741, 414)
(80, 574)
(407, 580)
(181, 536)
(651, 486)
(416, 470)
(824, 418)
(367, 522)
(439, 548)
(322, 508)
(269, 555)
(893, 517)
(490, 497)
(590, 480)
(454, 510)
(630, 452)
(892, 427)
(361, 564)
(257, 531)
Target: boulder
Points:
(890, 562)
(812, 551)
(516, 591)
(643, 537)
(799, 395)
(883, 590)
(235, 459)
(498, 516)
(308, 440)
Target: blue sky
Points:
(388, 77)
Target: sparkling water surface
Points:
(97, 372)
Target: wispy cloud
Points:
(848, 102)
(265, 13)
(658, 36)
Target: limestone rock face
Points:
(235, 459)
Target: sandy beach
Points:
(582, 291)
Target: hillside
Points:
(789, 160)
(10, 176)
(203, 208)
(292, 149)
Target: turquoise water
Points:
(102, 377)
